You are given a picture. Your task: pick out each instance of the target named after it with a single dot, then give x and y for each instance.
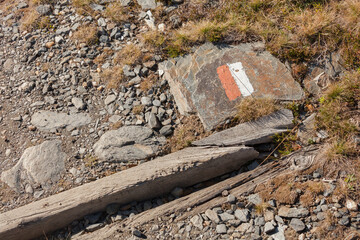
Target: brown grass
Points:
(153, 39)
(117, 13)
(6, 193)
(86, 34)
(138, 109)
(251, 109)
(90, 160)
(112, 76)
(83, 6)
(296, 31)
(100, 59)
(285, 194)
(116, 125)
(30, 19)
(281, 188)
(310, 191)
(323, 232)
(147, 83)
(261, 208)
(45, 66)
(130, 54)
(190, 130)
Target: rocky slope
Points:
(64, 124)
(51, 89)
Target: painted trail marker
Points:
(234, 80)
(213, 80)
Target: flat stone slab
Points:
(50, 121)
(255, 132)
(148, 180)
(214, 79)
(147, 4)
(128, 143)
(40, 164)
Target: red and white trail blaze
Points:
(234, 80)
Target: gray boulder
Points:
(41, 164)
(127, 144)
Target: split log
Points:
(210, 197)
(149, 180)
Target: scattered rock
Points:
(128, 143)
(293, 212)
(212, 215)
(197, 221)
(269, 227)
(297, 225)
(242, 214)
(78, 103)
(221, 228)
(351, 205)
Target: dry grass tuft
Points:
(6, 193)
(100, 59)
(311, 191)
(147, 83)
(30, 19)
(87, 35)
(153, 39)
(83, 6)
(112, 76)
(280, 188)
(191, 129)
(117, 13)
(261, 208)
(116, 125)
(138, 109)
(251, 109)
(285, 194)
(90, 160)
(130, 54)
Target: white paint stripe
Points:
(241, 79)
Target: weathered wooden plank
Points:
(210, 197)
(249, 133)
(204, 196)
(148, 180)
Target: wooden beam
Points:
(149, 180)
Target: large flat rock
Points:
(51, 121)
(255, 132)
(213, 80)
(41, 164)
(151, 179)
(128, 143)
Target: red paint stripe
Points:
(228, 82)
